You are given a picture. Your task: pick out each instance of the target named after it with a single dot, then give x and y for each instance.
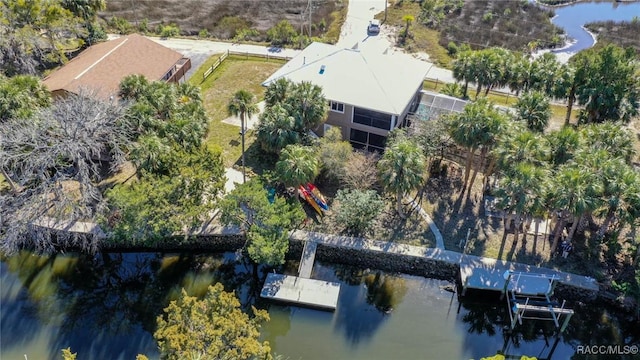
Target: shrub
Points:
(246, 34)
(144, 26)
(452, 49)
(229, 26)
(357, 209)
(360, 170)
(95, 33)
(487, 17)
(121, 25)
(453, 89)
(204, 33)
(170, 30)
(282, 33)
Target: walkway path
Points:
(441, 255)
(308, 258)
(430, 222)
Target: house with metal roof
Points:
(101, 67)
(369, 93)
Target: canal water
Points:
(573, 17)
(105, 306)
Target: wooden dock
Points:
(308, 258)
(309, 292)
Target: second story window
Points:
(336, 106)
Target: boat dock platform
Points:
(309, 292)
(528, 292)
(491, 276)
(302, 289)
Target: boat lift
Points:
(528, 297)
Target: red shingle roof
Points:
(101, 67)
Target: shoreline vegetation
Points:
(561, 3)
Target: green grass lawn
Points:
(235, 73)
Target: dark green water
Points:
(104, 307)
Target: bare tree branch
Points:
(57, 159)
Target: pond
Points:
(105, 306)
(573, 17)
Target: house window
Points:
(372, 118)
(336, 106)
(363, 140)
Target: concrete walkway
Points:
(441, 255)
(432, 225)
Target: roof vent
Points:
(322, 69)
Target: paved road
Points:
(200, 50)
(354, 31)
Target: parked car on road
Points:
(374, 27)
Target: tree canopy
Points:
(36, 34)
(55, 162)
(21, 96)
(297, 165)
(266, 224)
(292, 109)
(214, 327)
(402, 168)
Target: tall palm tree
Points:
(520, 147)
(276, 129)
(463, 69)
(242, 105)
(308, 106)
(478, 126)
(533, 108)
(621, 188)
(132, 87)
(277, 92)
(402, 169)
(518, 191)
(611, 137)
(297, 165)
(563, 144)
(574, 193)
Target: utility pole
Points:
(310, 7)
(385, 12)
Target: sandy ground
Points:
(233, 177)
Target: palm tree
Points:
(297, 165)
(621, 188)
(478, 126)
(402, 169)
(149, 154)
(574, 193)
(463, 69)
(533, 108)
(408, 19)
(242, 105)
(277, 92)
(611, 137)
(563, 144)
(520, 147)
(276, 129)
(132, 87)
(308, 106)
(519, 192)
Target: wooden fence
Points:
(215, 65)
(246, 54)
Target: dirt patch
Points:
(194, 15)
